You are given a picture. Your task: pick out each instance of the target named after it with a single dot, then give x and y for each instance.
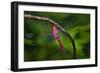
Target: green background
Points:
(40, 45)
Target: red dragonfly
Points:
(56, 36)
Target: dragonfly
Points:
(53, 35)
(56, 36)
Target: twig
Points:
(28, 16)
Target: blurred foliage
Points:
(40, 45)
